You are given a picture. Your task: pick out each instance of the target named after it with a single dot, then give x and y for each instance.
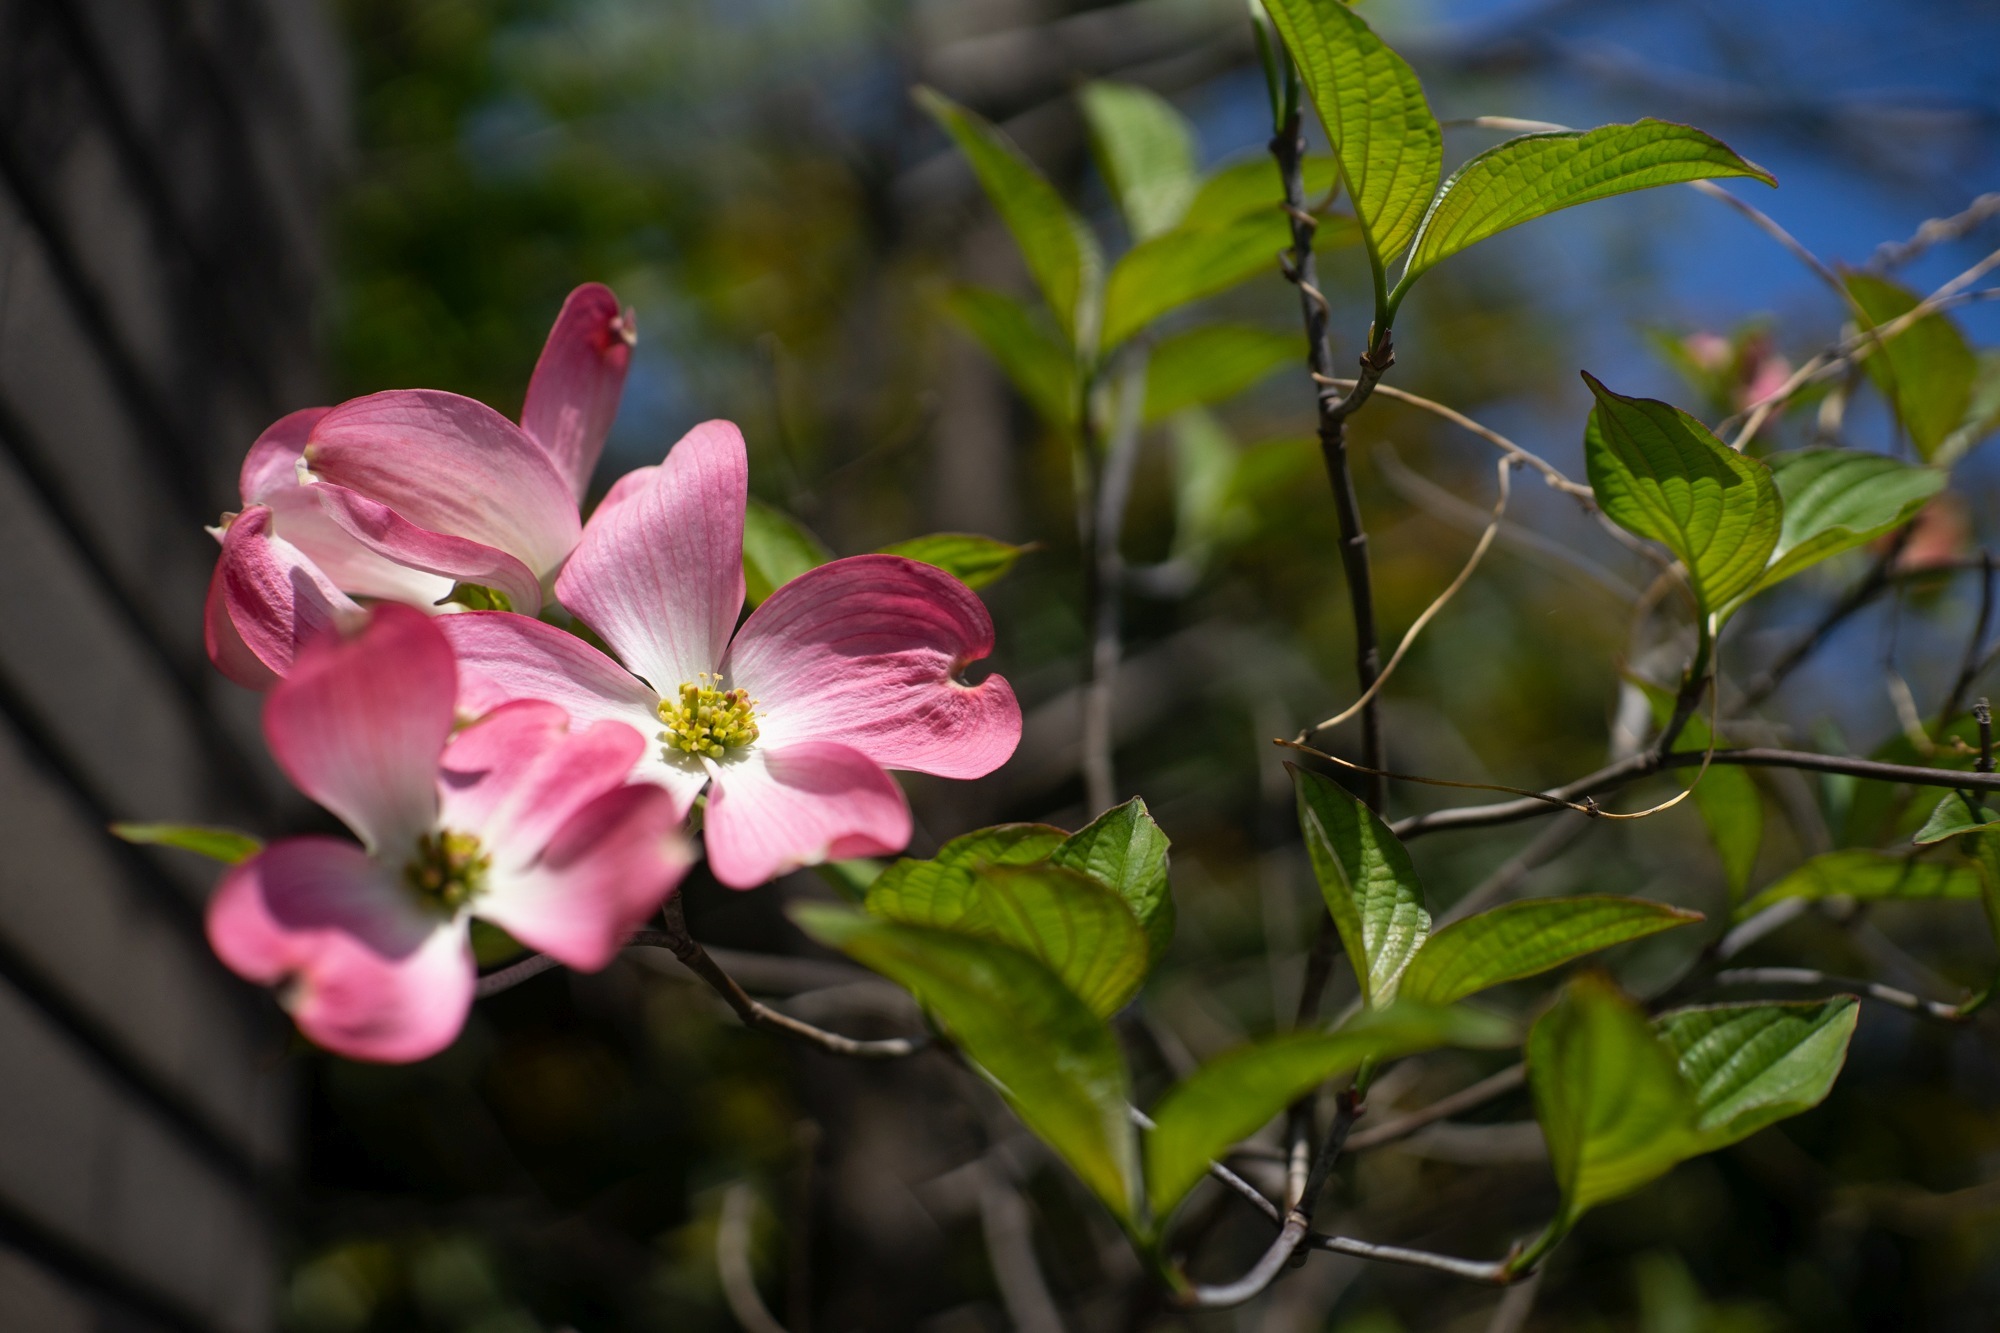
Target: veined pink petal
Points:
(659, 573)
(607, 869)
(264, 601)
(866, 651)
(774, 810)
(387, 533)
(573, 395)
(517, 775)
(359, 723)
(368, 972)
(503, 658)
(451, 466)
(272, 465)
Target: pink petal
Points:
(774, 810)
(606, 870)
(573, 395)
(359, 723)
(272, 465)
(517, 775)
(371, 974)
(659, 573)
(866, 651)
(352, 567)
(382, 530)
(503, 658)
(451, 466)
(265, 600)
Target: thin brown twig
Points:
(1465, 1099)
(1874, 990)
(1936, 231)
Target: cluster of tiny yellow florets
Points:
(704, 720)
(449, 869)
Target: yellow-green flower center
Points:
(705, 721)
(449, 869)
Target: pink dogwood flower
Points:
(846, 671)
(400, 496)
(519, 818)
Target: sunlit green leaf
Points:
(776, 550)
(1061, 252)
(1614, 1108)
(1204, 467)
(973, 560)
(1252, 185)
(1537, 174)
(1186, 264)
(226, 845)
(1750, 1065)
(1521, 939)
(1124, 849)
(1956, 814)
(1660, 473)
(1838, 499)
(916, 887)
(1368, 882)
(1373, 108)
(1146, 152)
(1213, 362)
(1056, 1062)
(1036, 362)
(1868, 876)
(1228, 1099)
(1927, 372)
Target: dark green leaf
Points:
(1033, 358)
(1927, 372)
(1380, 126)
(1869, 876)
(1368, 882)
(1524, 938)
(477, 597)
(1186, 264)
(1537, 174)
(218, 844)
(1212, 363)
(1660, 473)
(1956, 814)
(1125, 850)
(1059, 248)
(1228, 1099)
(1145, 150)
(1614, 1109)
(1750, 1065)
(973, 560)
(1985, 849)
(776, 550)
(1253, 185)
(851, 879)
(1055, 1061)
(1838, 499)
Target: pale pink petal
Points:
(359, 723)
(867, 651)
(605, 871)
(346, 562)
(272, 465)
(573, 395)
(367, 971)
(659, 573)
(503, 658)
(774, 810)
(382, 530)
(519, 773)
(452, 466)
(264, 601)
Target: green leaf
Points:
(1956, 814)
(1055, 1061)
(973, 560)
(1228, 1099)
(1614, 1108)
(1252, 185)
(1927, 372)
(226, 845)
(477, 597)
(1126, 851)
(1537, 174)
(1838, 499)
(1186, 264)
(1388, 143)
(1038, 363)
(1726, 797)
(1750, 1065)
(1205, 466)
(1985, 849)
(1524, 938)
(1212, 363)
(909, 887)
(776, 550)
(1659, 473)
(1868, 876)
(1982, 415)
(1145, 150)
(1368, 882)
